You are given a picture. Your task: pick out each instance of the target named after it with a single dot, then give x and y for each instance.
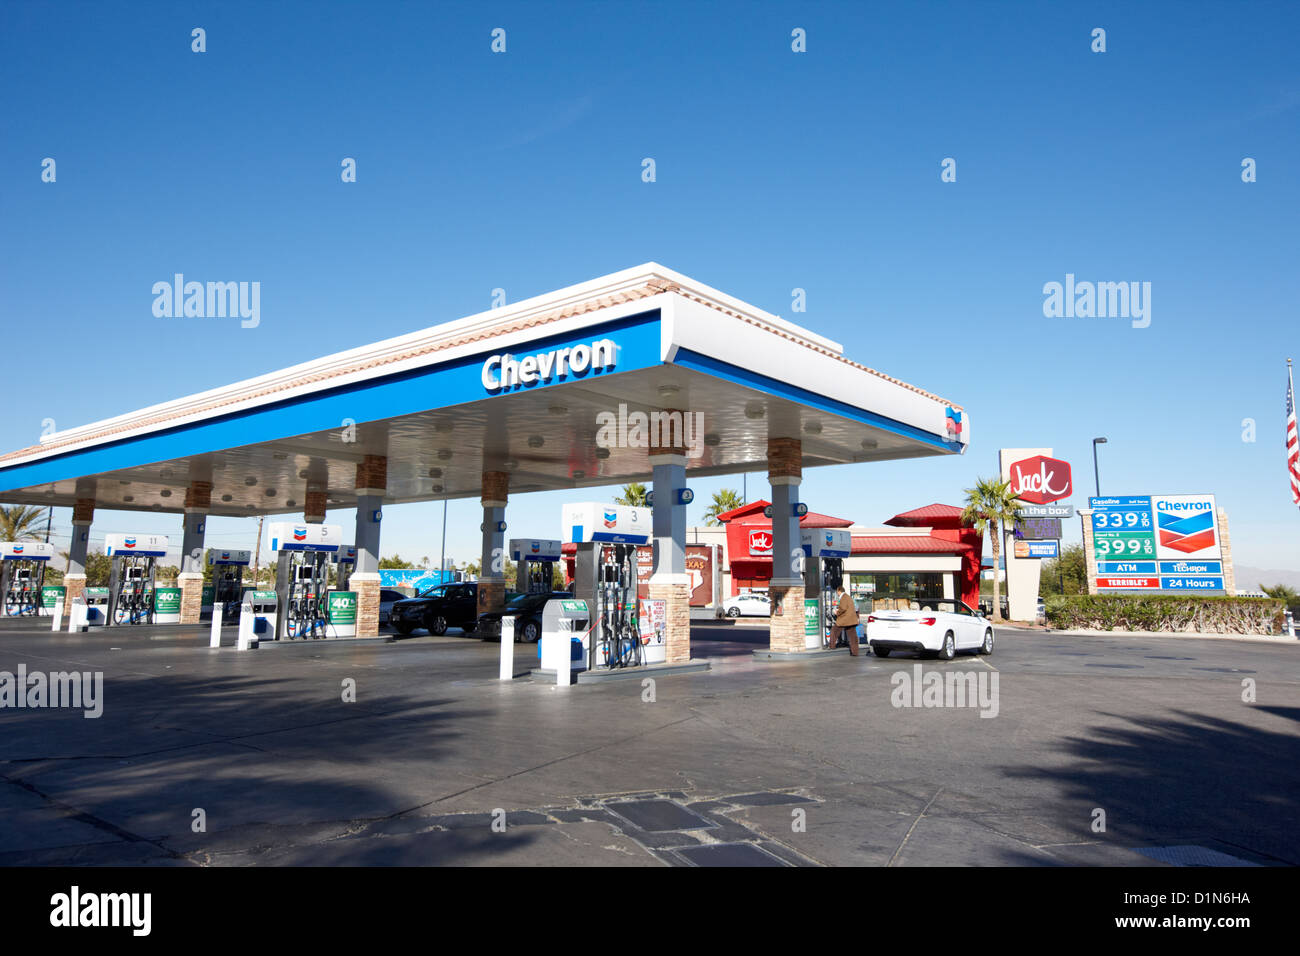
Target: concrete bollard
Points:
(564, 661)
(56, 620)
(246, 622)
(214, 638)
(77, 621)
(507, 669)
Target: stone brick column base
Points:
(191, 584)
(786, 627)
(1089, 556)
(677, 619)
(366, 586)
(1225, 547)
(76, 585)
(491, 595)
(313, 511)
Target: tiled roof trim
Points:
(651, 288)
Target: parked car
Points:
(435, 610)
(936, 629)
(526, 609)
(752, 604)
(387, 598)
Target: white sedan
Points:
(750, 605)
(933, 628)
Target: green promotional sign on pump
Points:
(343, 607)
(168, 601)
(811, 609)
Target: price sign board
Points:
(1134, 539)
(1123, 531)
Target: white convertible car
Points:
(933, 628)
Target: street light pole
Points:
(442, 556)
(1095, 473)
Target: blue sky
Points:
(775, 170)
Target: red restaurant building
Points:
(927, 552)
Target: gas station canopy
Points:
(525, 388)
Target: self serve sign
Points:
(292, 536)
(148, 545)
(618, 524)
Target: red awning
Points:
(931, 516)
(906, 544)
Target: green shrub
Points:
(1166, 612)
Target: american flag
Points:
(1292, 441)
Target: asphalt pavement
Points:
(1092, 750)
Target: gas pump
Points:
(823, 571)
(346, 559)
(605, 576)
(303, 553)
(22, 574)
(228, 580)
(535, 564)
(131, 582)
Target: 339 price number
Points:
(1116, 520)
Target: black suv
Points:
(442, 606)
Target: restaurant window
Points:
(892, 589)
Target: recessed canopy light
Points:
(227, 497)
(302, 473)
(290, 503)
(250, 480)
(280, 455)
(579, 475)
(602, 453)
(437, 489)
(813, 428)
(510, 464)
(754, 410)
(128, 497)
(712, 440)
(869, 443)
(668, 390)
(166, 492)
(435, 472)
(270, 492)
(123, 481)
(444, 454)
(536, 441)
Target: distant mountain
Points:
(1249, 578)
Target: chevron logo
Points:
(1187, 533)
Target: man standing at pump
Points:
(846, 620)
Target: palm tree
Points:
(990, 506)
(633, 494)
(21, 522)
(728, 499)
